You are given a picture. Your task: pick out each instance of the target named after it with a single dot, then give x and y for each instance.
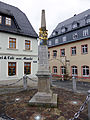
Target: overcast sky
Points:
(56, 10)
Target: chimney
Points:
(43, 20)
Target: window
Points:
(0, 19)
(75, 36)
(88, 20)
(27, 68)
(56, 41)
(74, 70)
(55, 69)
(62, 52)
(74, 25)
(85, 32)
(54, 53)
(11, 68)
(12, 42)
(84, 49)
(55, 33)
(8, 21)
(48, 54)
(27, 44)
(50, 43)
(64, 38)
(85, 71)
(63, 30)
(63, 70)
(73, 51)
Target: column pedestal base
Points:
(44, 99)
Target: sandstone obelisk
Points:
(44, 96)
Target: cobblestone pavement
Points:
(81, 87)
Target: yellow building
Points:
(69, 47)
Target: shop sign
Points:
(15, 58)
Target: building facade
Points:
(18, 44)
(69, 47)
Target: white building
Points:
(18, 44)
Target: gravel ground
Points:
(16, 105)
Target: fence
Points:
(76, 115)
(87, 101)
(23, 83)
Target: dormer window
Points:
(55, 33)
(0, 19)
(49, 42)
(63, 29)
(75, 36)
(87, 19)
(8, 21)
(75, 24)
(56, 41)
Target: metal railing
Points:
(76, 115)
(87, 101)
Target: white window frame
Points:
(56, 41)
(63, 70)
(85, 32)
(64, 38)
(85, 69)
(30, 45)
(55, 69)
(16, 41)
(8, 21)
(50, 42)
(62, 50)
(75, 36)
(54, 33)
(63, 30)
(54, 53)
(73, 50)
(74, 25)
(88, 20)
(14, 76)
(74, 71)
(84, 49)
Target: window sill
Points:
(12, 49)
(73, 54)
(74, 75)
(86, 76)
(28, 50)
(84, 53)
(14, 76)
(62, 55)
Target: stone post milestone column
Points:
(44, 96)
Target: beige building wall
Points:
(78, 60)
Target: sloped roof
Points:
(25, 27)
(80, 18)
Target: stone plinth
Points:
(44, 96)
(43, 99)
